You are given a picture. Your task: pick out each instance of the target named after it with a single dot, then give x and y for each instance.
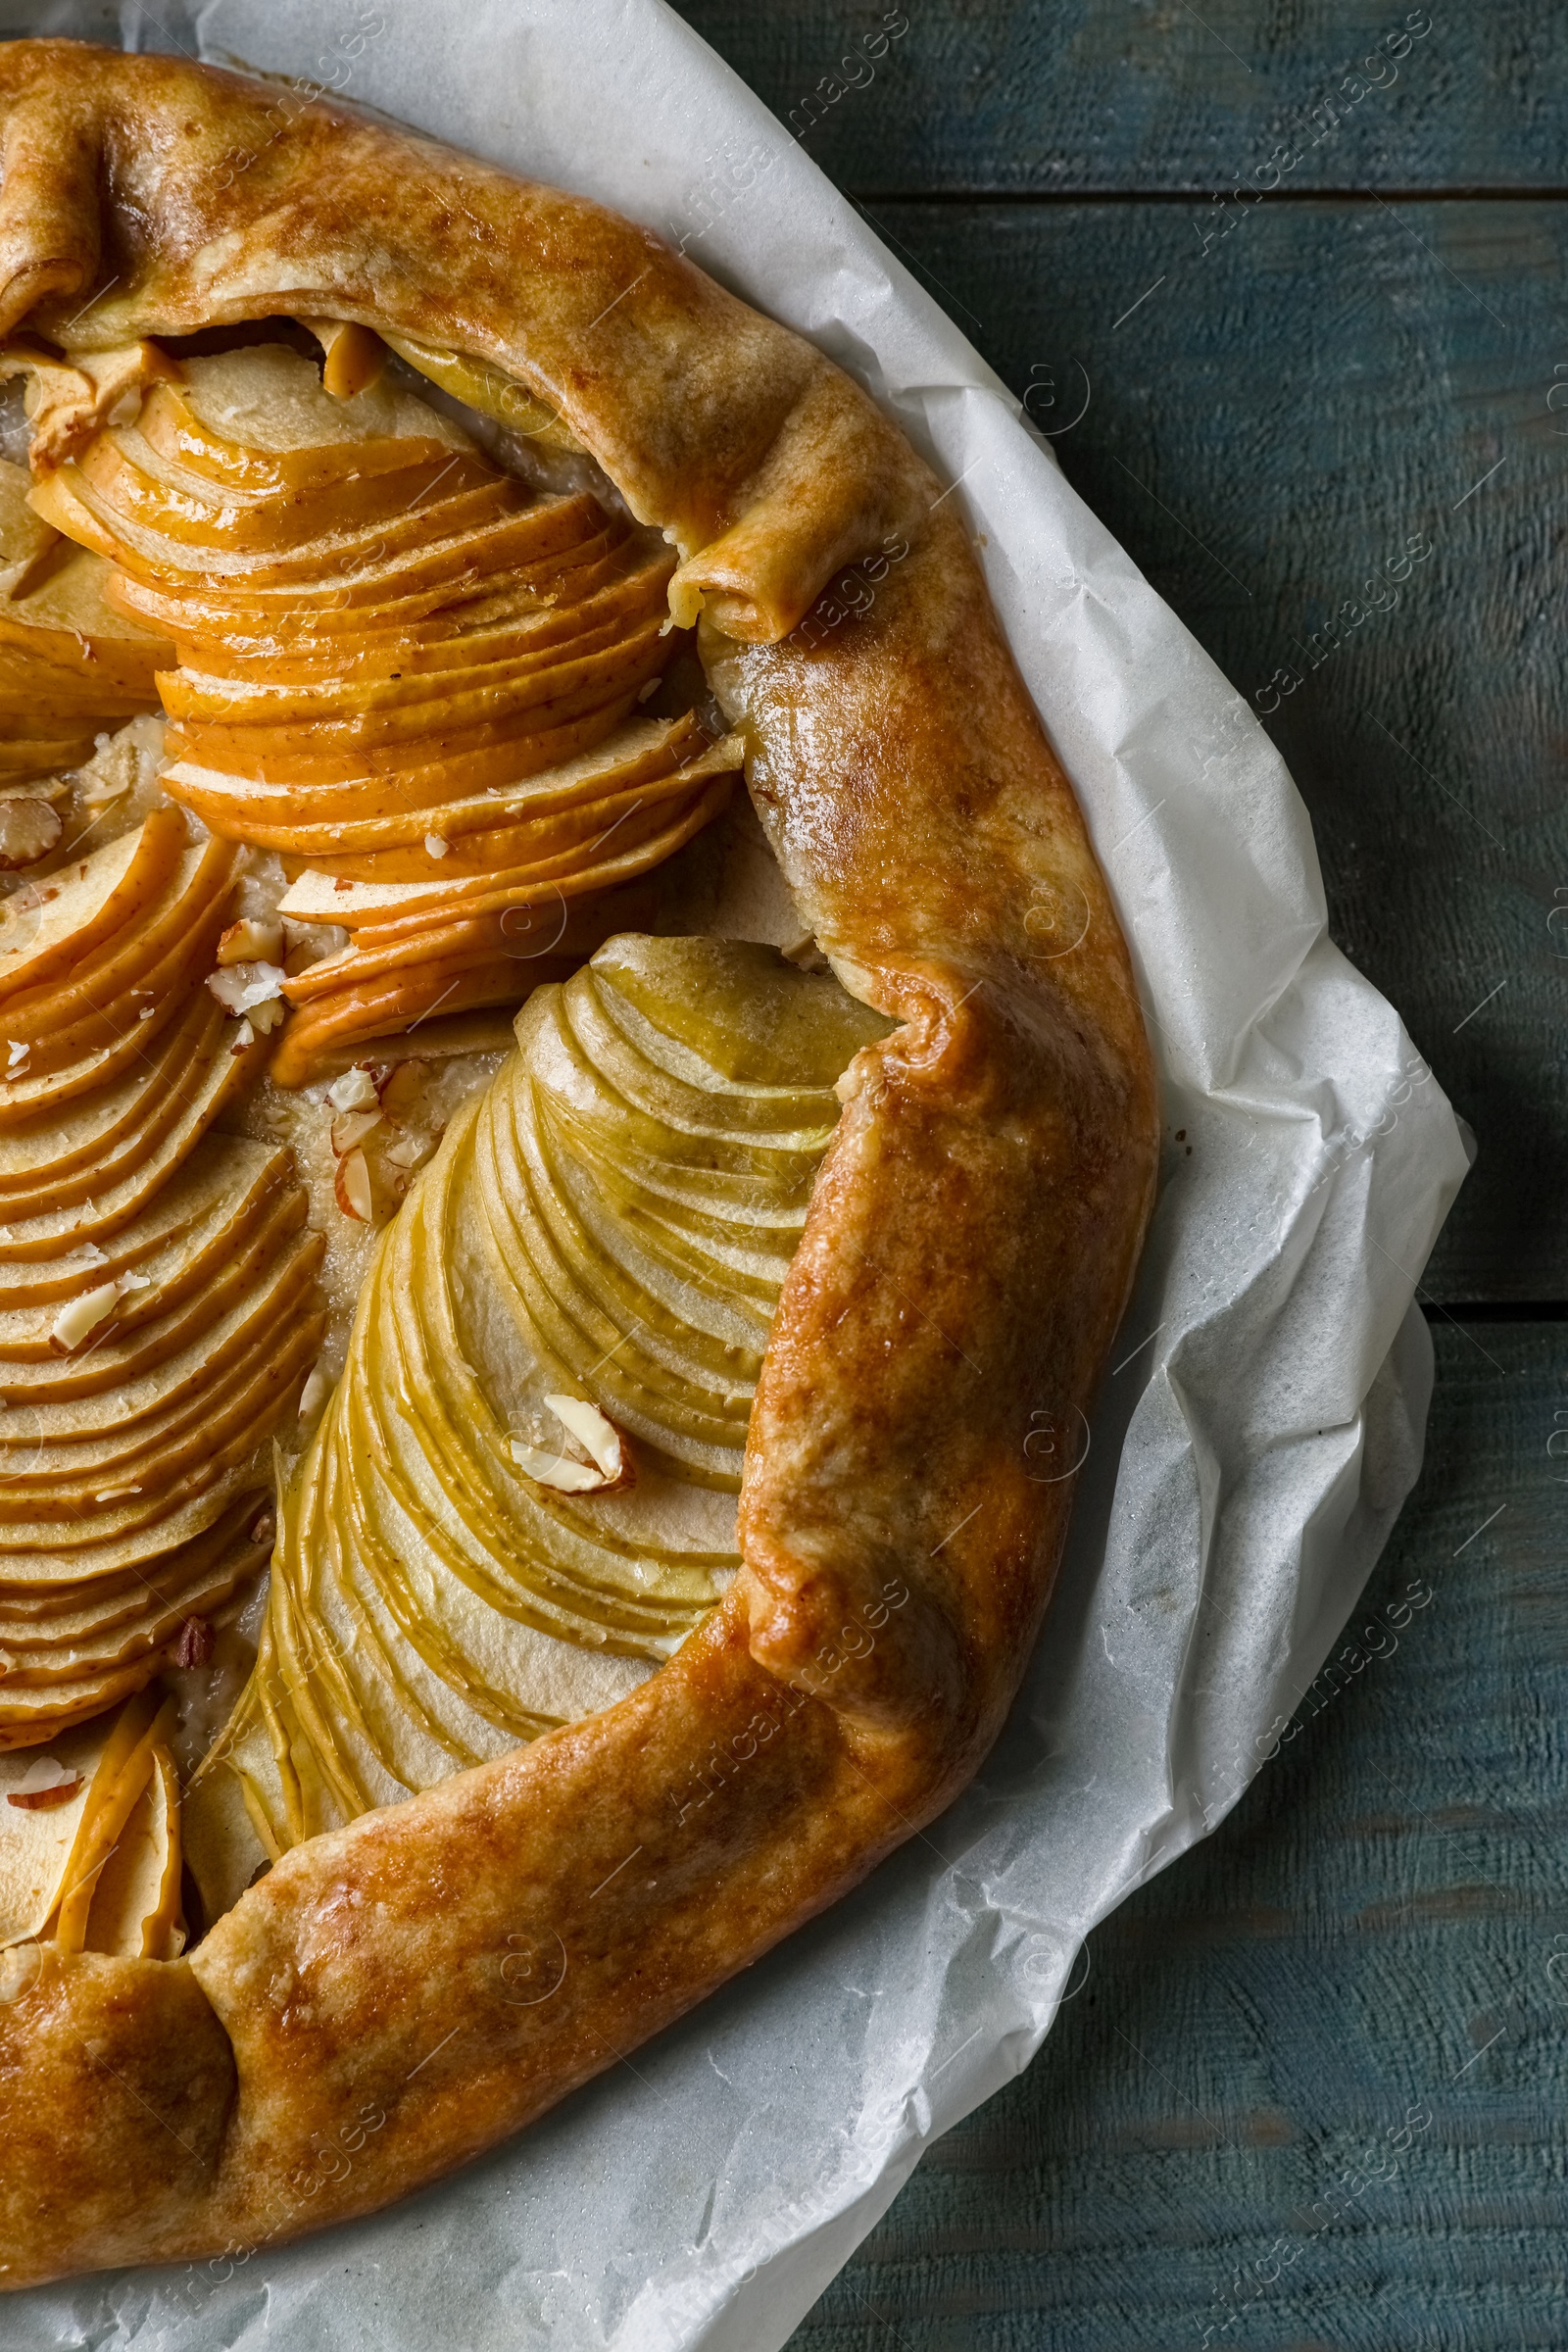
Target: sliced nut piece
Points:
(350, 1186)
(355, 1090)
(558, 1470)
(250, 940)
(608, 1467)
(80, 1316)
(410, 1151)
(28, 831)
(350, 1129)
(246, 987)
(44, 1784)
(314, 1393)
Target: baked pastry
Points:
(413, 486)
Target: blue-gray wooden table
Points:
(1306, 256)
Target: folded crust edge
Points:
(395, 1998)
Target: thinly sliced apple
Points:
(54, 605)
(180, 1260)
(403, 888)
(258, 420)
(46, 928)
(46, 1233)
(278, 1290)
(139, 1612)
(604, 683)
(138, 484)
(66, 499)
(638, 751)
(521, 547)
(225, 1176)
(106, 1819)
(101, 980)
(133, 1019)
(26, 541)
(91, 1142)
(626, 581)
(356, 1018)
(489, 927)
(366, 792)
(47, 1852)
(427, 1590)
(123, 1345)
(229, 1414)
(134, 1910)
(486, 389)
(434, 1041)
(215, 687)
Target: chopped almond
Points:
(247, 987)
(80, 1316)
(252, 942)
(350, 1129)
(350, 1186)
(596, 1433)
(608, 1467)
(45, 1783)
(42, 1801)
(355, 1090)
(556, 1470)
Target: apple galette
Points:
(575, 1128)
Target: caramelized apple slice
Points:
(134, 1911)
(424, 775)
(225, 1178)
(258, 420)
(139, 485)
(46, 929)
(92, 1213)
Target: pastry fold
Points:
(452, 1966)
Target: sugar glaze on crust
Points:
(455, 1963)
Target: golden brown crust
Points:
(452, 1965)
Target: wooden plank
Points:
(1142, 94)
(1324, 395)
(1381, 1927)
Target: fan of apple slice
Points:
(89, 1839)
(70, 666)
(395, 666)
(158, 1307)
(521, 1497)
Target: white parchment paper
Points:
(1251, 1449)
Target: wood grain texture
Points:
(1382, 1925)
(1009, 97)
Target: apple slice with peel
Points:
(48, 927)
(428, 1591)
(258, 420)
(184, 1116)
(224, 1175)
(134, 1912)
(179, 1261)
